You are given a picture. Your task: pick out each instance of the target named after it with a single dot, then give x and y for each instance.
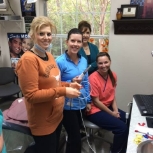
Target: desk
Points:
(135, 119)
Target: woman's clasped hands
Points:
(116, 114)
(74, 90)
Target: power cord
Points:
(85, 129)
(11, 7)
(81, 98)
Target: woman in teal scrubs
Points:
(2, 145)
(88, 50)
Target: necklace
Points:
(104, 77)
(87, 50)
(42, 55)
(45, 58)
(86, 47)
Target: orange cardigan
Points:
(43, 91)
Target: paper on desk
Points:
(144, 129)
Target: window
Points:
(66, 14)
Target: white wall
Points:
(13, 26)
(131, 60)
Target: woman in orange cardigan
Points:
(39, 79)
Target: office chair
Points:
(91, 136)
(8, 86)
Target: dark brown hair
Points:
(109, 71)
(84, 25)
(73, 31)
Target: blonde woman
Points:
(39, 79)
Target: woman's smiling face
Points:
(103, 64)
(86, 34)
(26, 44)
(74, 43)
(43, 37)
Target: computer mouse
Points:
(144, 111)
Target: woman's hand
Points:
(72, 92)
(75, 85)
(116, 111)
(1, 142)
(77, 79)
(88, 107)
(116, 114)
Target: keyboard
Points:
(145, 104)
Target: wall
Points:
(13, 26)
(131, 60)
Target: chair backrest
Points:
(7, 75)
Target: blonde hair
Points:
(38, 23)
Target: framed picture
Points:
(129, 11)
(18, 43)
(145, 10)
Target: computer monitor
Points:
(2, 4)
(27, 9)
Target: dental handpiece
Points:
(84, 72)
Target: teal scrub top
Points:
(1, 121)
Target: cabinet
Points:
(17, 23)
(11, 20)
(133, 26)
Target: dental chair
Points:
(16, 127)
(92, 137)
(23, 136)
(17, 137)
(93, 132)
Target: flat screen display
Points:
(27, 9)
(1, 1)
(2, 4)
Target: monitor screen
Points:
(2, 4)
(27, 9)
(18, 43)
(1, 1)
